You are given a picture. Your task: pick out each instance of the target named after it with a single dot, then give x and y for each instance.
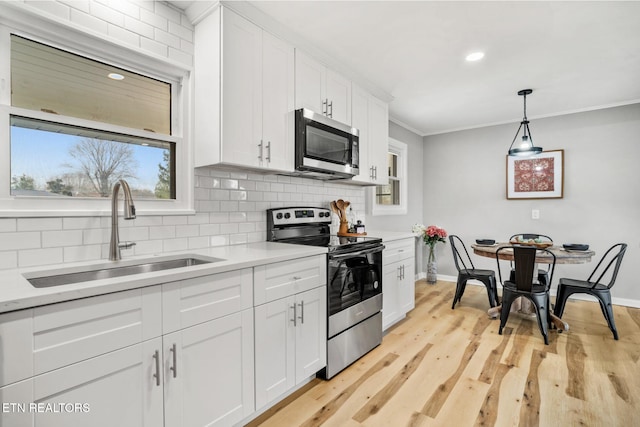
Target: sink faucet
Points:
(129, 213)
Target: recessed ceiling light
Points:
(115, 76)
(475, 56)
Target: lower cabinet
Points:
(290, 340)
(179, 354)
(208, 372)
(117, 388)
(398, 289)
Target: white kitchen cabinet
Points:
(208, 372)
(291, 337)
(398, 289)
(290, 325)
(321, 89)
(116, 388)
(371, 117)
(45, 338)
(244, 94)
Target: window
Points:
(78, 122)
(391, 199)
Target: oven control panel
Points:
(288, 216)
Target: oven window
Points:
(327, 146)
(353, 279)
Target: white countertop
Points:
(17, 293)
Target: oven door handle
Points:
(358, 253)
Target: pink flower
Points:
(432, 234)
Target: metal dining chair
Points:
(467, 271)
(598, 288)
(543, 275)
(523, 285)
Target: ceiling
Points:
(576, 56)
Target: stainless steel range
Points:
(354, 282)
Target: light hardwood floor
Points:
(443, 367)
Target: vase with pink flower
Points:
(431, 235)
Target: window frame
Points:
(400, 149)
(135, 60)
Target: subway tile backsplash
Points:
(230, 209)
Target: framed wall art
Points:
(537, 177)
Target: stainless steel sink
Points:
(107, 271)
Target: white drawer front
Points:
(398, 250)
(190, 302)
(281, 279)
(16, 347)
(76, 330)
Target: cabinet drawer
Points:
(190, 302)
(398, 250)
(16, 347)
(72, 331)
(281, 279)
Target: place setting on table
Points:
(547, 253)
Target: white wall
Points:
(465, 178)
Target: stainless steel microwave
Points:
(325, 148)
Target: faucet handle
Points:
(126, 245)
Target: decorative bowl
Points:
(575, 247)
(486, 242)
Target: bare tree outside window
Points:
(103, 163)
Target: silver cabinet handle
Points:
(174, 367)
(375, 172)
(260, 150)
(268, 151)
(330, 113)
(156, 356)
(294, 320)
(297, 277)
(324, 106)
(399, 272)
(302, 312)
(403, 271)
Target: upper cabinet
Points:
(244, 94)
(371, 117)
(321, 89)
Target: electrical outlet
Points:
(535, 214)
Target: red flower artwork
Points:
(531, 175)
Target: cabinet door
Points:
(278, 102)
(379, 139)
(338, 92)
(241, 90)
(360, 121)
(407, 294)
(209, 374)
(115, 389)
(310, 83)
(311, 332)
(390, 294)
(275, 349)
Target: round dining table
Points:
(563, 256)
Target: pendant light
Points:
(526, 147)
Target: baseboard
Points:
(626, 302)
